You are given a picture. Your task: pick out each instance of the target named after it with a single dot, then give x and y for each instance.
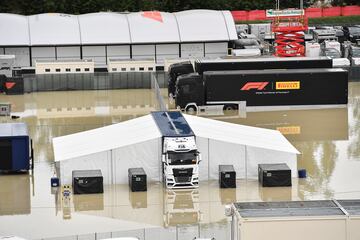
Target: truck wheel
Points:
(230, 107)
(191, 109)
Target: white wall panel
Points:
(219, 153)
(100, 160)
(68, 53)
(167, 51)
(42, 53)
(97, 53)
(203, 145)
(1, 50)
(257, 156)
(143, 51)
(122, 52)
(192, 50)
(214, 50)
(22, 56)
(145, 155)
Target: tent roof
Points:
(144, 128)
(105, 138)
(240, 134)
(150, 27)
(104, 28)
(116, 28)
(205, 25)
(14, 30)
(54, 29)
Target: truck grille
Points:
(182, 179)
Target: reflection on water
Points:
(329, 140)
(15, 194)
(181, 207)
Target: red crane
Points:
(288, 28)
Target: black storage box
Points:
(274, 175)
(227, 176)
(87, 181)
(137, 179)
(14, 86)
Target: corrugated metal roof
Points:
(14, 30)
(288, 209)
(104, 28)
(149, 27)
(54, 29)
(116, 28)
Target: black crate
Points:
(87, 181)
(274, 175)
(227, 176)
(137, 179)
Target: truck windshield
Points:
(356, 52)
(176, 158)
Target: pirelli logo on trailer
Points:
(287, 85)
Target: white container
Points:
(291, 221)
(121, 65)
(312, 49)
(64, 66)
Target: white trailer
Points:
(123, 65)
(64, 66)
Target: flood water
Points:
(328, 139)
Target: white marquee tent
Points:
(137, 143)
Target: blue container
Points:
(14, 147)
(55, 182)
(302, 173)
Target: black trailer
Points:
(202, 66)
(273, 87)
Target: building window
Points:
(78, 69)
(47, 69)
(141, 69)
(123, 69)
(57, 70)
(150, 69)
(87, 69)
(68, 70)
(132, 69)
(114, 69)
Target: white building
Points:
(104, 35)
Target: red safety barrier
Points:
(331, 12)
(256, 15)
(350, 10)
(313, 12)
(309, 12)
(240, 15)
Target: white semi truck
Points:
(180, 156)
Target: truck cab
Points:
(189, 92)
(180, 160)
(180, 156)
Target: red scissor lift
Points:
(289, 42)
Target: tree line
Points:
(29, 7)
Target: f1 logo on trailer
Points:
(254, 85)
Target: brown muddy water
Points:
(329, 140)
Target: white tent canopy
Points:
(137, 143)
(50, 29)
